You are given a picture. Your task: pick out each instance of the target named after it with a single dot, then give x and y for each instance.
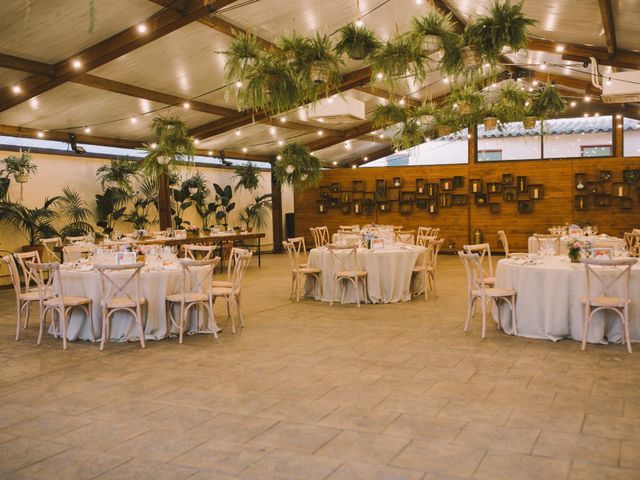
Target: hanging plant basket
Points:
(431, 43)
(529, 122)
(193, 190)
(443, 130)
(465, 108)
(21, 177)
(358, 52)
(471, 57)
(427, 119)
(297, 167)
(490, 123)
(319, 73)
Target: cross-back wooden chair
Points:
(299, 272)
(49, 245)
(405, 237)
(345, 267)
(300, 248)
(232, 293)
(484, 254)
(199, 252)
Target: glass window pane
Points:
(631, 138)
(512, 140)
(449, 150)
(578, 137)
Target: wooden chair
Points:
(115, 282)
(600, 297)
(350, 228)
(424, 231)
(204, 252)
(233, 257)
(71, 253)
(345, 267)
(232, 293)
(478, 290)
(53, 300)
(434, 232)
(81, 238)
(548, 238)
(320, 236)
(484, 252)
(424, 240)
(195, 291)
(22, 259)
(405, 237)
(300, 271)
(49, 245)
(632, 243)
(301, 250)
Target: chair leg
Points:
(140, 324)
(105, 329)
(333, 295)
(484, 317)
(298, 287)
(230, 299)
(625, 327)
(89, 311)
(26, 319)
(212, 320)
(19, 323)
(238, 305)
(514, 319)
(181, 321)
(470, 307)
(63, 319)
(498, 304)
(356, 284)
(585, 326)
(43, 314)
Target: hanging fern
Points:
(297, 167)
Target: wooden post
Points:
(276, 216)
(164, 202)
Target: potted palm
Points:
(398, 57)
(357, 42)
(247, 176)
(33, 223)
(430, 27)
(21, 166)
(297, 167)
(242, 55)
(76, 214)
(256, 214)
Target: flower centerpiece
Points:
(368, 236)
(575, 247)
(192, 231)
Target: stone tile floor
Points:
(307, 391)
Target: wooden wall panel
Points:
(458, 223)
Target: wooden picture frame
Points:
(521, 183)
(507, 179)
(325, 191)
(460, 199)
(626, 203)
(397, 182)
(536, 191)
(432, 190)
(481, 199)
(384, 206)
(495, 207)
(356, 206)
(594, 188)
(602, 200)
(345, 208)
(420, 186)
(408, 196)
(620, 189)
(509, 194)
(321, 206)
(406, 208)
(421, 203)
(458, 181)
(581, 202)
(334, 202)
(357, 185)
(525, 206)
(445, 200)
(632, 177)
(335, 187)
(475, 185)
(494, 187)
(446, 184)
(580, 181)
(381, 188)
(432, 206)
(606, 175)
(393, 194)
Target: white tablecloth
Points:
(596, 241)
(389, 274)
(549, 306)
(155, 286)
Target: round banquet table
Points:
(155, 285)
(548, 301)
(596, 241)
(389, 274)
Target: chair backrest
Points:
(239, 269)
(600, 283)
(432, 253)
(292, 254)
(197, 275)
(548, 239)
(13, 273)
(635, 230)
(632, 243)
(49, 244)
(114, 283)
(320, 236)
(71, 253)
(50, 289)
(424, 240)
(424, 231)
(233, 257)
(81, 238)
(475, 276)
(396, 228)
(405, 237)
(205, 252)
(484, 253)
(435, 232)
(22, 259)
(502, 238)
(300, 247)
(344, 257)
(351, 228)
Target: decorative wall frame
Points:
(345, 208)
(481, 199)
(408, 196)
(335, 187)
(397, 182)
(420, 185)
(525, 206)
(445, 200)
(581, 181)
(594, 187)
(432, 190)
(621, 189)
(432, 206)
(507, 179)
(357, 185)
(536, 191)
(458, 182)
(321, 206)
(521, 184)
(460, 199)
(421, 203)
(581, 202)
(393, 194)
(605, 175)
(475, 185)
(357, 207)
(446, 184)
(384, 206)
(325, 191)
(494, 187)
(509, 194)
(632, 177)
(406, 208)
(602, 200)
(626, 203)
(495, 207)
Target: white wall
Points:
(56, 171)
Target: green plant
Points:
(505, 26)
(388, 114)
(357, 42)
(321, 66)
(399, 57)
(247, 176)
(181, 202)
(5, 181)
(513, 102)
(223, 205)
(242, 55)
(410, 134)
(548, 102)
(20, 164)
(33, 223)
(119, 174)
(256, 214)
(470, 104)
(138, 215)
(433, 24)
(173, 145)
(76, 213)
(199, 181)
(297, 167)
(271, 86)
(111, 205)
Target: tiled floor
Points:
(307, 391)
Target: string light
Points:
(280, 142)
(196, 141)
(272, 130)
(320, 132)
(40, 134)
(134, 119)
(359, 23)
(77, 64)
(543, 66)
(618, 116)
(87, 129)
(142, 28)
(535, 83)
(239, 84)
(238, 132)
(283, 119)
(16, 89)
(245, 149)
(186, 105)
(587, 98)
(279, 157)
(379, 76)
(334, 162)
(608, 82)
(401, 102)
(366, 158)
(154, 145)
(596, 114)
(445, 79)
(560, 48)
(210, 153)
(585, 115)
(573, 103)
(353, 166)
(381, 135)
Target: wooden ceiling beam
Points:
(349, 80)
(606, 12)
(154, 96)
(349, 134)
(571, 51)
(381, 93)
(158, 25)
(375, 155)
(24, 65)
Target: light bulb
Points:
(283, 119)
(210, 153)
(365, 158)
(154, 145)
(16, 89)
(142, 28)
(40, 134)
(320, 132)
(359, 23)
(334, 162)
(134, 120)
(279, 157)
(379, 75)
(238, 133)
(186, 105)
(535, 83)
(543, 66)
(573, 103)
(244, 150)
(272, 130)
(77, 64)
(239, 84)
(353, 166)
(587, 98)
(401, 102)
(280, 142)
(87, 129)
(445, 79)
(560, 48)
(196, 141)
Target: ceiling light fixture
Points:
(272, 130)
(560, 48)
(365, 158)
(186, 105)
(134, 119)
(238, 132)
(334, 162)
(587, 98)
(320, 132)
(283, 119)
(244, 150)
(379, 75)
(16, 89)
(142, 28)
(354, 166)
(239, 84)
(280, 142)
(77, 64)
(87, 129)
(154, 145)
(359, 23)
(40, 134)
(210, 153)
(573, 103)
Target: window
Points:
(595, 150)
(489, 155)
(510, 141)
(631, 137)
(578, 137)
